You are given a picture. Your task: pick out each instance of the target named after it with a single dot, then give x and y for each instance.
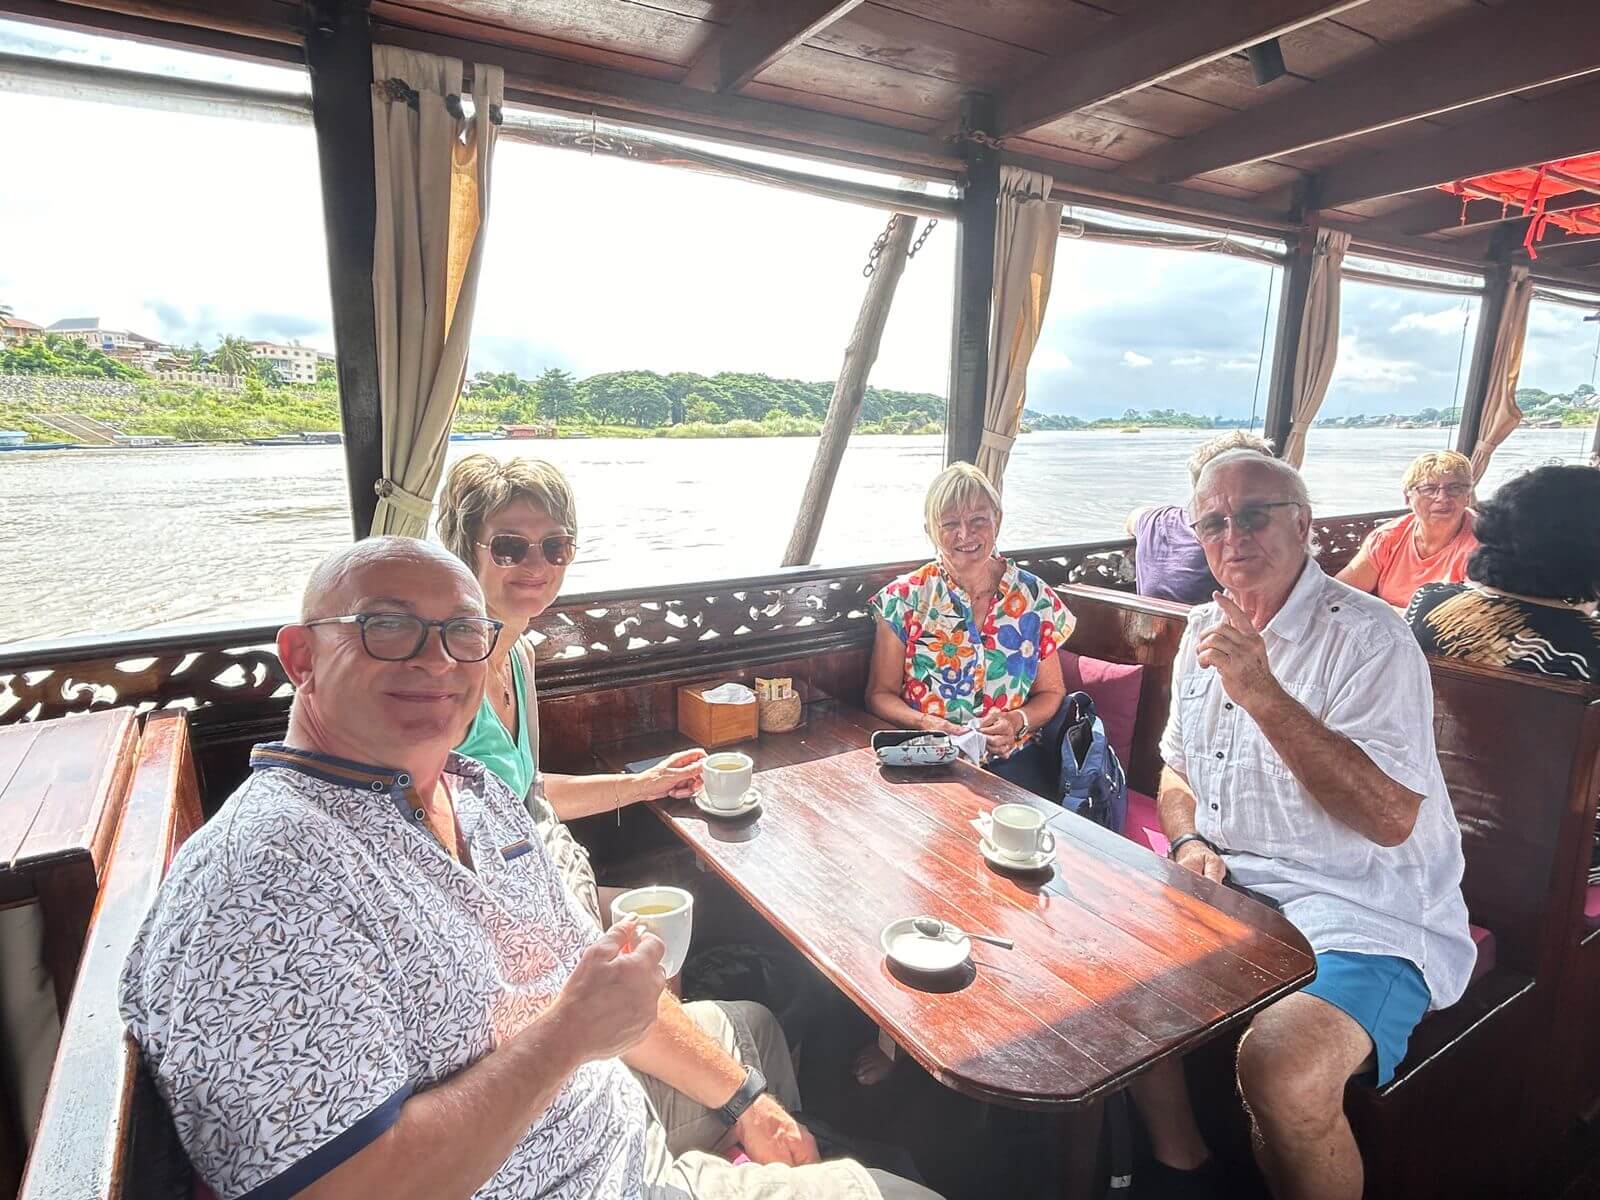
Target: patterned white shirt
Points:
(315, 957)
(1352, 662)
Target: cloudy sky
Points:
(184, 227)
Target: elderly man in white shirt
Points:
(1300, 764)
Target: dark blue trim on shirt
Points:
(298, 1176)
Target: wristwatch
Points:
(1184, 839)
(753, 1087)
(1023, 732)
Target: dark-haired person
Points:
(1525, 602)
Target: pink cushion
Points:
(1143, 826)
(1484, 940)
(202, 1192)
(1591, 905)
(1114, 688)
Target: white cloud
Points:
(1048, 358)
(1363, 371)
(1131, 358)
(1445, 323)
(1190, 362)
(1239, 364)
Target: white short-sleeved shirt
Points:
(1352, 662)
(315, 956)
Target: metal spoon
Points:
(935, 928)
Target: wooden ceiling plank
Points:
(1477, 57)
(530, 75)
(761, 33)
(1147, 45)
(1563, 126)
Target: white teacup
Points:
(727, 778)
(1018, 832)
(667, 912)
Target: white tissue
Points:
(729, 693)
(971, 743)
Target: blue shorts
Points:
(1383, 994)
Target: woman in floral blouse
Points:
(970, 638)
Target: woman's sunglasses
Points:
(509, 549)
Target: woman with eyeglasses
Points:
(514, 523)
(1431, 543)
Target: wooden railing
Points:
(583, 641)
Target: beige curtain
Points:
(1027, 228)
(432, 168)
(1319, 339)
(1500, 412)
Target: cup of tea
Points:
(1018, 832)
(667, 912)
(727, 778)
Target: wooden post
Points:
(975, 233)
(1292, 294)
(339, 57)
(848, 389)
(1496, 290)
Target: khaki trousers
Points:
(686, 1142)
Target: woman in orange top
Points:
(1431, 543)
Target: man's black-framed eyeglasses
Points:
(1252, 518)
(396, 637)
(509, 549)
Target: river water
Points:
(112, 540)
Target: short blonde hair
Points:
(1436, 465)
(957, 486)
(480, 485)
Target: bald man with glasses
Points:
(365, 977)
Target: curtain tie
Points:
(997, 441)
(409, 503)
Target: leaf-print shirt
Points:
(957, 668)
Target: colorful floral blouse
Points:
(954, 668)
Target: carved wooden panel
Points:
(1338, 538)
(582, 641)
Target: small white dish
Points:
(750, 802)
(1005, 862)
(918, 952)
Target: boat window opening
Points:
(894, 193)
(683, 321)
(173, 263)
(1146, 352)
(1396, 392)
(25, 40)
(1556, 392)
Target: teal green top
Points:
(491, 743)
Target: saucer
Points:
(750, 802)
(917, 952)
(1005, 862)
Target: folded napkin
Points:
(729, 693)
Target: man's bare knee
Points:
(1294, 1061)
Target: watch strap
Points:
(1184, 839)
(753, 1087)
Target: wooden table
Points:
(62, 784)
(1121, 958)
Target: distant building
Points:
(294, 363)
(14, 330)
(133, 348)
(12, 437)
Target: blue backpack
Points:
(1092, 782)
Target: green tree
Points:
(556, 393)
(232, 356)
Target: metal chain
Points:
(876, 252)
(922, 237)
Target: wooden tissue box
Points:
(711, 725)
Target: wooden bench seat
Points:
(104, 1134)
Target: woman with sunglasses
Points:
(514, 523)
(1431, 543)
